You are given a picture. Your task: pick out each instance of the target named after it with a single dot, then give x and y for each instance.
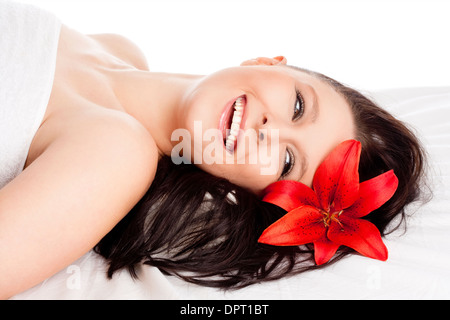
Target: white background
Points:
(367, 44)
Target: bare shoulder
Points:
(125, 143)
(116, 133)
(112, 137)
(73, 194)
(123, 48)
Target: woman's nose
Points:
(271, 127)
(261, 136)
(261, 129)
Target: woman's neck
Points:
(156, 100)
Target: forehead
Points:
(308, 75)
(335, 122)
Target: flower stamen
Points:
(328, 217)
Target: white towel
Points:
(28, 45)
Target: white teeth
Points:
(235, 124)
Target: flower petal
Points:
(289, 194)
(359, 234)
(299, 226)
(324, 250)
(336, 181)
(373, 194)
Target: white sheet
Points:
(28, 45)
(419, 260)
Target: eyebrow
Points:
(304, 165)
(315, 106)
(314, 114)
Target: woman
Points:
(101, 172)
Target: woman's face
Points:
(262, 122)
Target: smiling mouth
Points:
(234, 124)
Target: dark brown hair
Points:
(204, 229)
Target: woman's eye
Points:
(288, 163)
(299, 107)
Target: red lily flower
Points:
(328, 214)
